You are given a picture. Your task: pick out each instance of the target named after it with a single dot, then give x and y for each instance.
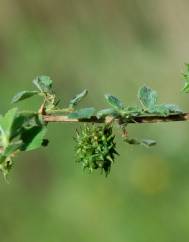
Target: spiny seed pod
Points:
(95, 147)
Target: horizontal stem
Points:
(135, 120)
(139, 119)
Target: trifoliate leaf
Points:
(78, 98)
(147, 97)
(82, 113)
(23, 95)
(114, 102)
(43, 83)
(107, 112)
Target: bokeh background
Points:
(112, 46)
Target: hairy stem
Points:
(139, 119)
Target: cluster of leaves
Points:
(25, 131)
(19, 131)
(149, 106)
(95, 149)
(44, 89)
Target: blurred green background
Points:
(112, 46)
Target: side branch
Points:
(139, 119)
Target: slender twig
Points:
(139, 119)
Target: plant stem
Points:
(139, 119)
(135, 120)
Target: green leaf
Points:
(159, 110)
(33, 138)
(32, 132)
(23, 130)
(186, 79)
(24, 120)
(23, 95)
(186, 87)
(165, 109)
(19, 122)
(133, 111)
(19, 131)
(148, 142)
(43, 83)
(186, 73)
(114, 102)
(78, 98)
(7, 120)
(82, 113)
(6, 124)
(107, 112)
(147, 97)
(2, 159)
(11, 148)
(173, 108)
(145, 142)
(132, 141)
